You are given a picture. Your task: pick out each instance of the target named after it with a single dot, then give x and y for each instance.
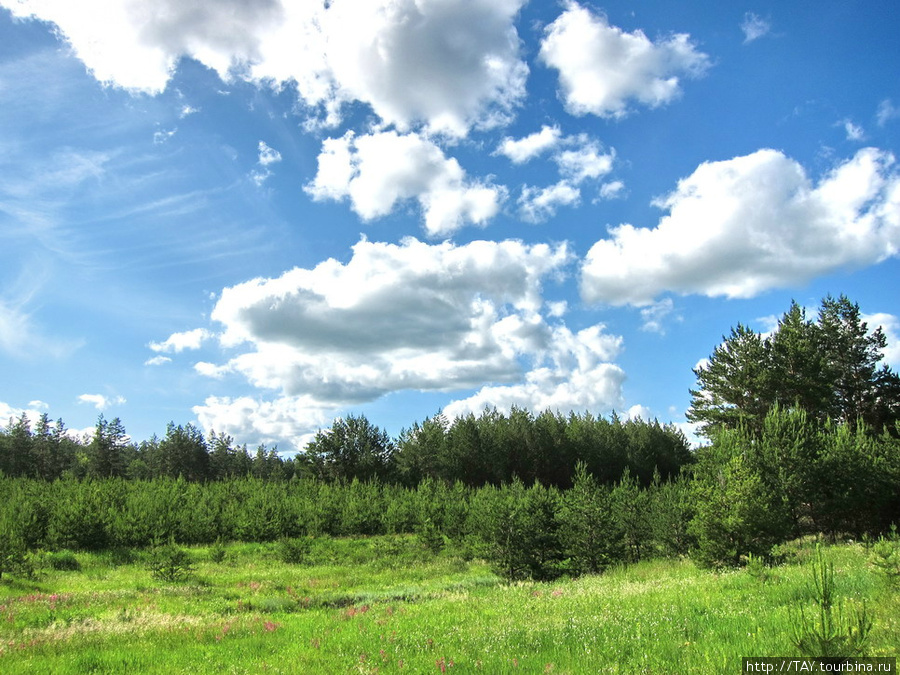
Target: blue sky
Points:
(258, 216)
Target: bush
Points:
(589, 530)
(518, 530)
(294, 550)
(169, 563)
(217, 551)
(64, 561)
(14, 557)
(829, 631)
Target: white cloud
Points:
(612, 190)
(449, 64)
(739, 227)
(527, 148)
(376, 171)
(574, 373)
(578, 158)
(886, 112)
(890, 326)
(602, 68)
(654, 315)
(412, 316)
(638, 412)
(9, 414)
(539, 204)
(187, 110)
(268, 155)
(163, 136)
(586, 160)
(157, 361)
(291, 418)
(854, 131)
(20, 334)
(754, 27)
(101, 402)
(179, 342)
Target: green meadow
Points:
(386, 604)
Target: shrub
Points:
(169, 563)
(217, 551)
(64, 561)
(14, 556)
(829, 631)
(885, 558)
(589, 529)
(294, 550)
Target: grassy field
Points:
(384, 605)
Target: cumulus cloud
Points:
(578, 158)
(638, 412)
(612, 190)
(538, 204)
(574, 373)
(408, 316)
(738, 227)
(157, 361)
(9, 414)
(521, 150)
(449, 64)
(179, 342)
(754, 27)
(376, 171)
(263, 422)
(602, 68)
(890, 326)
(101, 402)
(267, 156)
(586, 160)
(137, 45)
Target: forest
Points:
(803, 438)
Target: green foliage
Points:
(735, 514)
(830, 630)
(13, 554)
(64, 560)
(828, 368)
(294, 550)
(169, 563)
(589, 529)
(352, 448)
(885, 557)
(518, 530)
(430, 535)
(218, 551)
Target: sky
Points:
(258, 215)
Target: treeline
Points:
(746, 494)
(527, 531)
(804, 430)
(492, 448)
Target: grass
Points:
(385, 605)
